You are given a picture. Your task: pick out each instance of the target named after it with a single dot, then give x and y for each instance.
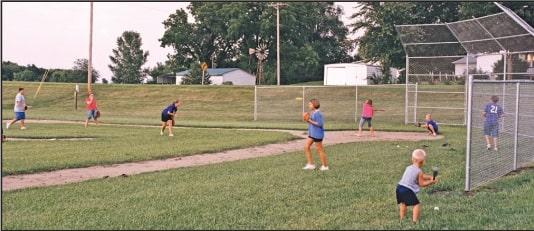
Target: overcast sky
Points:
(54, 34)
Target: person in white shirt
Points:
(20, 110)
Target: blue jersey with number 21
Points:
(493, 113)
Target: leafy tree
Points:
(128, 59)
(525, 10)
(380, 41)
(311, 36)
(25, 75)
(105, 81)
(80, 69)
(195, 76)
(9, 69)
(159, 70)
(514, 64)
(36, 70)
(60, 76)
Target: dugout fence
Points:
(494, 47)
(515, 138)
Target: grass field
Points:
(274, 193)
(115, 144)
(225, 106)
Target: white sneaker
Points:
(160, 133)
(496, 149)
(488, 147)
(323, 168)
(23, 128)
(171, 134)
(7, 125)
(309, 167)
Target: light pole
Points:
(277, 6)
(90, 61)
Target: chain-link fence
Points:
(338, 103)
(494, 47)
(500, 129)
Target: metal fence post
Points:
(303, 96)
(415, 103)
(406, 81)
(516, 123)
(356, 103)
(465, 94)
(468, 143)
(255, 103)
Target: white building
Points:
(220, 75)
(351, 74)
(482, 63)
(459, 65)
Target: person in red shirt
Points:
(367, 115)
(90, 106)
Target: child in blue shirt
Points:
(492, 113)
(167, 117)
(430, 125)
(315, 135)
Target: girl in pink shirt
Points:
(367, 115)
(92, 111)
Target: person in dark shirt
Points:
(167, 117)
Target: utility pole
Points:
(278, 6)
(90, 61)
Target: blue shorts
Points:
(406, 196)
(20, 115)
(365, 119)
(491, 129)
(91, 114)
(165, 117)
(435, 128)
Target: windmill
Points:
(261, 53)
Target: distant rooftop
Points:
(472, 60)
(212, 71)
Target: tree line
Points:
(312, 35)
(77, 74)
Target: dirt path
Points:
(82, 174)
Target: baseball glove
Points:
(306, 116)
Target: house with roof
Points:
(460, 65)
(218, 76)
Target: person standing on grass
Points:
(412, 179)
(492, 113)
(315, 135)
(90, 106)
(167, 117)
(20, 110)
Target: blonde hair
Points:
(418, 154)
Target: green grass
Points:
(274, 193)
(229, 106)
(115, 144)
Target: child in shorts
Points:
(492, 114)
(167, 117)
(412, 179)
(430, 125)
(315, 135)
(91, 109)
(367, 115)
